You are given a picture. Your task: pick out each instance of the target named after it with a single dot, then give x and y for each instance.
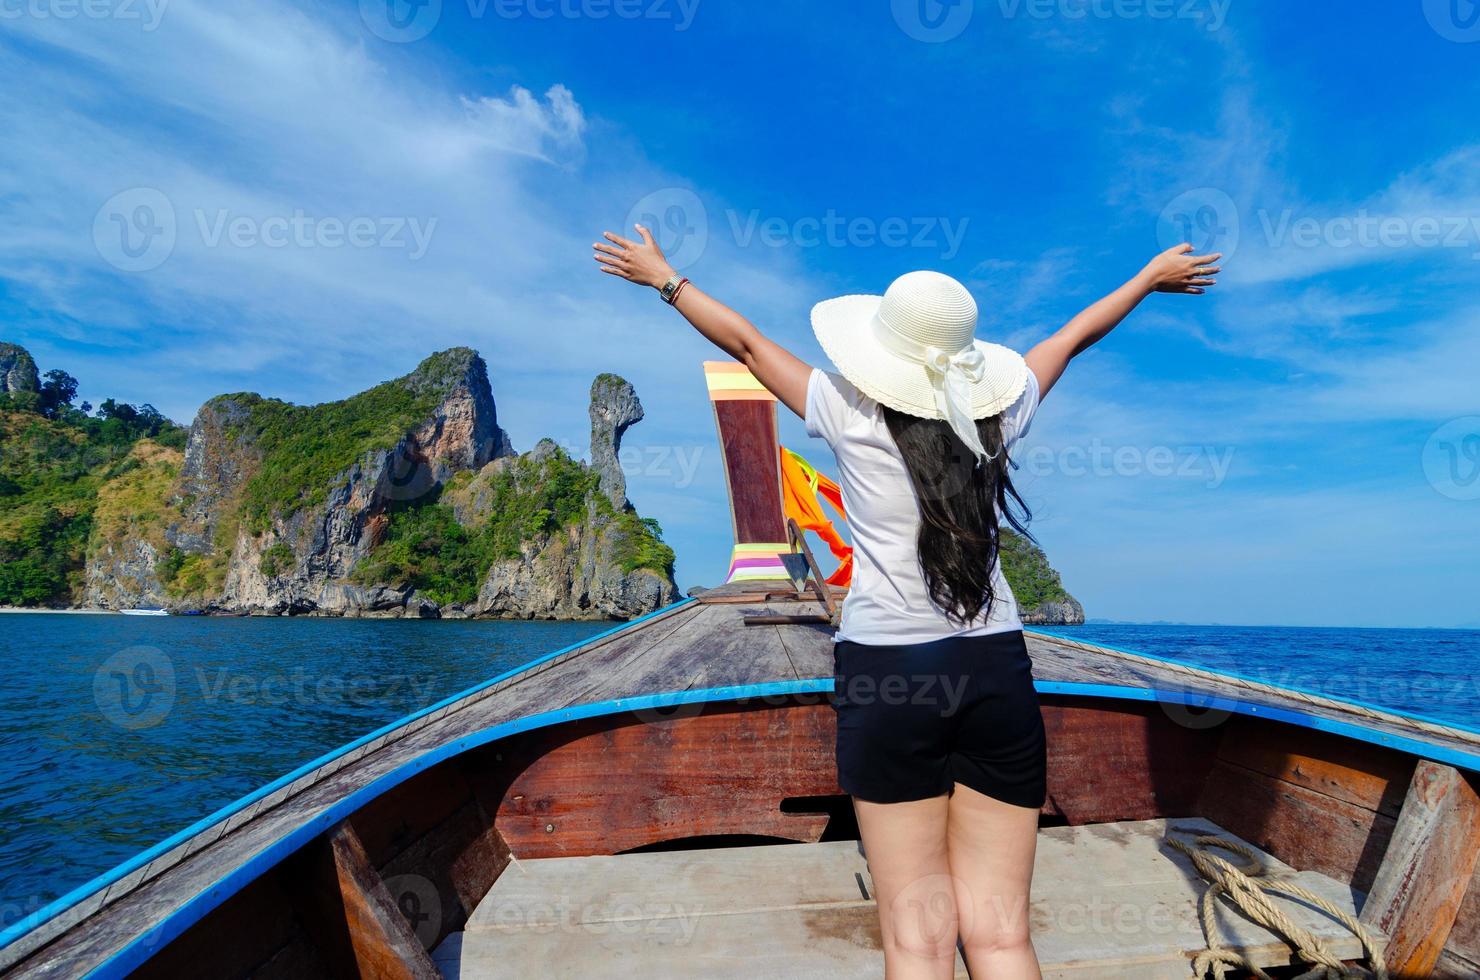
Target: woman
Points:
(940, 741)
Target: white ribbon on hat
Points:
(952, 375)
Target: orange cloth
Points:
(800, 486)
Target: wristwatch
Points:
(670, 289)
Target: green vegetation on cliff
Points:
(305, 447)
(134, 502)
(54, 458)
(1026, 568)
(517, 500)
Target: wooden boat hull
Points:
(705, 725)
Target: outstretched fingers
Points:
(613, 260)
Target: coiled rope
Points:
(1254, 900)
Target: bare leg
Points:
(906, 848)
(991, 846)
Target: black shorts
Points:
(915, 719)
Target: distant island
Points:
(406, 500)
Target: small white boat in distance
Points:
(146, 612)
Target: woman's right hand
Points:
(1178, 271)
(640, 262)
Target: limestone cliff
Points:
(614, 409)
(1040, 593)
(338, 509)
(17, 370)
(592, 561)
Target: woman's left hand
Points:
(640, 262)
(1178, 271)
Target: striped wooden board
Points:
(745, 414)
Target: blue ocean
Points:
(117, 731)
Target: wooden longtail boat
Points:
(661, 800)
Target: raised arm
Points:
(782, 372)
(1174, 271)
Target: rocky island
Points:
(406, 500)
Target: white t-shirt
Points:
(888, 602)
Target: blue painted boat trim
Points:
(1384, 708)
(135, 953)
(76, 895)
(1194, 699)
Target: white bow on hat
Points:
(914, 350)
(952, 375)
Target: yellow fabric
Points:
(801, 485)
(733, 382)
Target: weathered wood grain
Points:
(595, 788)
(1368, 776)
(1300, 825)
(259, 935)
(1464, 937)
(630, 664)
(1427, 868)
(382, 942)
(1109, 903)
(1122, 761)
(748, 442)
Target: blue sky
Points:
(346, 195)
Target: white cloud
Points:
(549, 131)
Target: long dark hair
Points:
(959, 502)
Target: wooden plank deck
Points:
(692, 646)
(1109, 902)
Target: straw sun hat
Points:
(914, 350)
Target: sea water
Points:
(116, 732)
